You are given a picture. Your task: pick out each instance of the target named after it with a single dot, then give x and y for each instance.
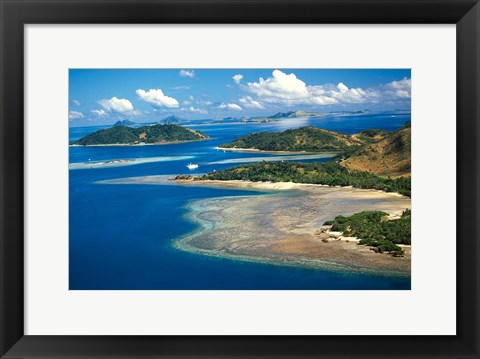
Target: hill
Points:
(123, 135)
(372, 135)
(294, 114)
(172, 119)
(389, 156)
(307, 138)
(125, 123)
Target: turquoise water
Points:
(121, 235)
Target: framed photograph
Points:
(231, 179)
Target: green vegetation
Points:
(310, 139)
(119, 134)
(376, 230)
(326, 173)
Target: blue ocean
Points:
(121, 235)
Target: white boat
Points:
(192, 166)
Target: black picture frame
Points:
(17, 13)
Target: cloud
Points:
(156, 97)
(237, 78)
(399, 89)
(249, 102)
(116, 104)
(198, 110)
(230, 106)
(287, 89)
(279, 87)
(187, 73)
(99, 113)
(73, 115)
(76, 102)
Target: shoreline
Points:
(258, 185)
(137, 144)
(255, 150)
(282, 229)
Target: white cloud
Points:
(399, 89)
(198, 110)
(73, 115)
(76, 102)
(187, 73)
(99, 113)
(249, 102)
(237, 78)
(230, 106)
(116, 104)
(288, 90)
(279, 87)
(156, 97)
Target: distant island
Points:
(172, 119)
(298, 113)
(127, 123)
(154, 134)
(309, 139)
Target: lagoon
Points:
(122, 236)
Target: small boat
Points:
(192, 166)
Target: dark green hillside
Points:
(167, 133)
(326, 173)
(309, 139)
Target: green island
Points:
(296, 114)
(308, 139)
(154, 134)
(325, 173)
(374, 229)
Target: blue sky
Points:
(104, 96)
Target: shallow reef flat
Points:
(277, 157)
(124, 162)
(280, 227)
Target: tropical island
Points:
(377, 239)
(305, 139)
(322, 173)
(375, 229)
(372, 159)
(154, 134)
(296, 114)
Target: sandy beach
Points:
(254, 150)
(282, 227)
